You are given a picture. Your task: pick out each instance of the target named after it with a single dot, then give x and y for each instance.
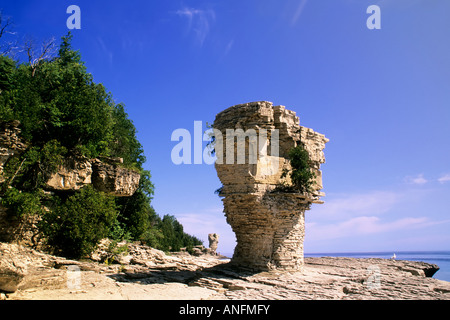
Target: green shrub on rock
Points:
(75, 226)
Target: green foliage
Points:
(22, 203)
(301, 174)
(174, 238)
(124, 140)
(75, 226)
(7, 67)
(33, 168)
(153, 237)
(7, 72)
(136, 214)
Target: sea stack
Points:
(252, 142)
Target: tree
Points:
(301, 174)
(124, 141)
(35, 58)
(174, 237)
(6, 47)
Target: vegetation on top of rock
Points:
(301, 175)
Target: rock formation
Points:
(23, 230)
(269, 225)
(107, 176)
(75, 172)
(114, 179)
(213, 239)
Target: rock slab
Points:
(151, 274)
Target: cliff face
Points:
(269, 226)
(111, 178)
(75, 172)
(106, 175)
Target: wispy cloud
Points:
(364, 225)
(445, 178)
(418, 180)
(298, 12)
(374, 212)
(105, 51)
(199, 22)
(228, 47)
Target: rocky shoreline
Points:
(145, 273)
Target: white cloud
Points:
(355, 216)
(445, 178)
(199, 21)
(418, 180)
(364, 225)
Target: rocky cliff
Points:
(107, 176)
(75, 172)
(269, 225)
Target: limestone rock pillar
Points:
(213, 239)
(269, 225)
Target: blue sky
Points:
(382, 97)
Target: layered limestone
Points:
(142, 272)
(114, 179)
(269, 224)
(73, 174)
(107, 176)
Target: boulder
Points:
(22, 268)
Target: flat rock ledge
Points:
(149, 274)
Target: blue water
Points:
(441, 258)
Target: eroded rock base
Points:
(269, 224)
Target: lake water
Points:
(441, 258)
